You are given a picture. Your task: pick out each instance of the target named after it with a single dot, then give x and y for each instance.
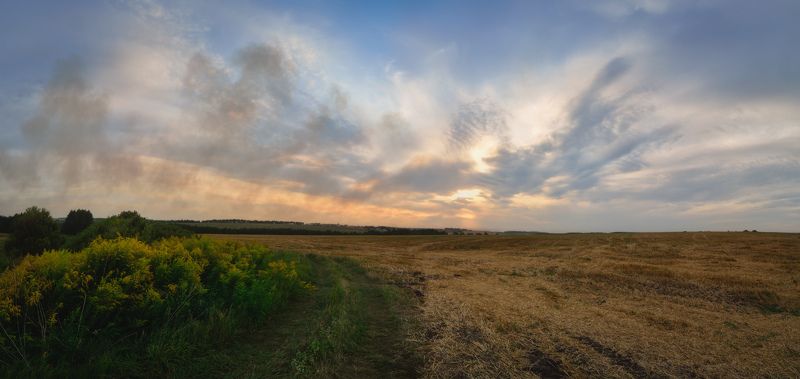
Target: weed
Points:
(95, 308)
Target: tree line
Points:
(34, 230)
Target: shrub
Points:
(125, 224)
(76, 221)
(65, 306)
(32, 232)
(5, 223)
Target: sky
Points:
(604, 115)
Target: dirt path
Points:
(383, 351)
(351, 326)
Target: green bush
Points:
(5, 223)
(125, 224)
(76, 221)
(64, 308)
(32, 232)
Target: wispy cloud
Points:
(682, 109)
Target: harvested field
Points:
(592, 305)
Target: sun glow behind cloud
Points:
(301, 113)
(465, 194)
(481, 152)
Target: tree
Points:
(77, 220)
(5, 224)
(125, 224)
(33, 232)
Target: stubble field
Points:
(590, 305)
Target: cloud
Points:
(70, 119)
(623, 8)
(725, 52)
(724, 181)
(427, 175)
(393, 139)
(676, 108)
(69, 131)
(602, 135)
(224, 107)
(474, 120)
(255, 121)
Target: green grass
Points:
(348, 325)
(5, 261)
(339, 325)
(352, 326)
(123, 308)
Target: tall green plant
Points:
(32, 232)
(63, 306)
(76, 221)
(125, 224)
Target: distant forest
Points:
(236, 226)
(271, 227)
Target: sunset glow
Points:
(558, 116)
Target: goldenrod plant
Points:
(63, 306)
